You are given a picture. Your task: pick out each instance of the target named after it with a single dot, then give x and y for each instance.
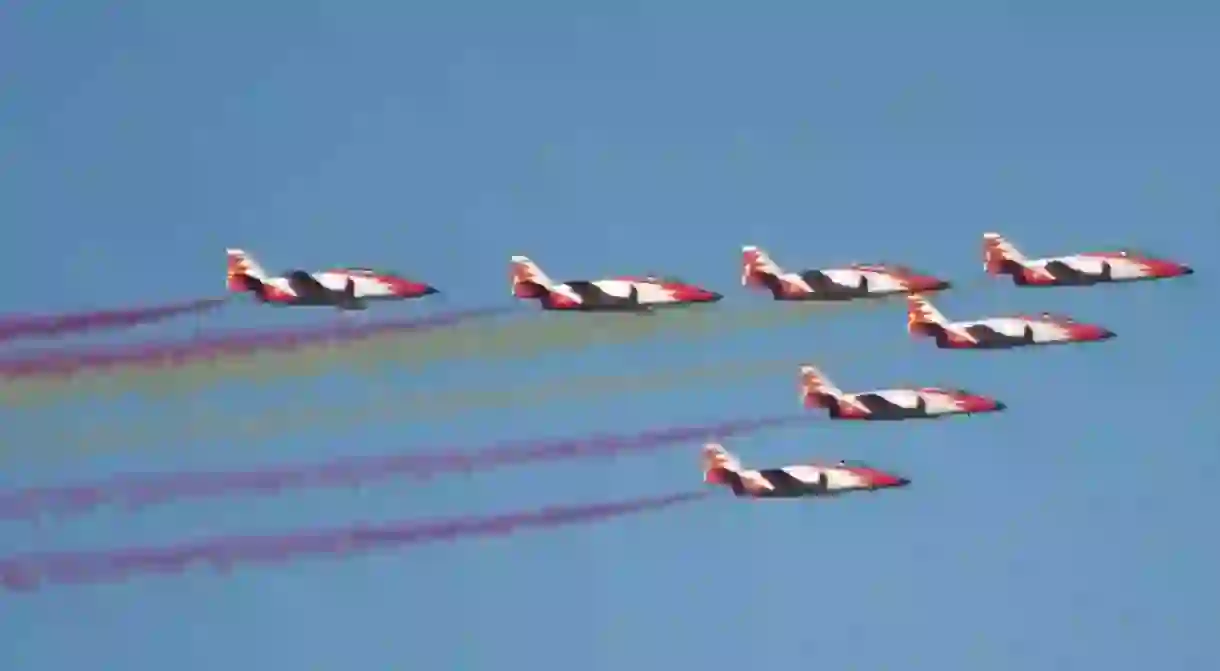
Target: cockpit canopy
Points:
(660, 279)
(362, 270)
(895, 268)
(942, 390)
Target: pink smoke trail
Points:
(71, 362)
(29, 572)
(151, 490)
(14, 328)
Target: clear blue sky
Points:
(140, 139)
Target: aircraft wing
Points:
(595, 298)
(877, 404)
(787, 485)
(984, 334)
(1062, 272)
(307, 287)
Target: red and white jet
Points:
(619, 294)
(859, 280)
(342, 288)
(1001, 257)
(817, 391)
(720, 467)
(924, 320)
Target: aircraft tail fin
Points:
(716, 460)
(721, 467)
(1000, 256)
(528, 279)
(243, 271)
(757, 267)
(921, 315)
(815, 386)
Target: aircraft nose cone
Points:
(1106, 334)
(928, 284)
(429, 290)
(1187, 270)
(902, 482)
(1000, 406)
(714, 297)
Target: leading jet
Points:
(1001, 257)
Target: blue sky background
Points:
(140, 139)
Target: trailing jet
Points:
(856, 281)
(817, 391)
(720, 467)
(619, 294)
(924, 320)
(1001, 257)
(342, 288)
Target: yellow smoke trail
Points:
(233, 431)
(510, 339)
(155, 380)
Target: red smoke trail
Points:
(29, 572)
(150, 490)
(71, 362)
(14, 328)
